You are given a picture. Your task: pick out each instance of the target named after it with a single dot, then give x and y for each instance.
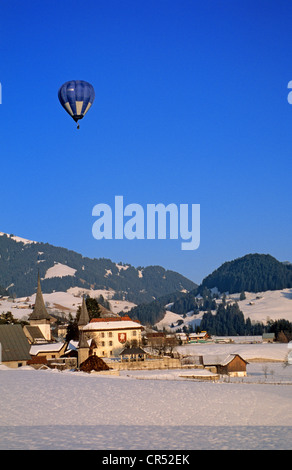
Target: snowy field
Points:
(149, 410)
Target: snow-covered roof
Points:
(48, 347)
(111, 325)
(221, 360)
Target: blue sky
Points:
(191, 108)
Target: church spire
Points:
(39, 311)
(84, 317)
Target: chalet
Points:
(232, 364)
(198, 337)
(14, 346)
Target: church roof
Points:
(84, 317)
(39, 311)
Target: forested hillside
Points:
(251, 273)
(20, 263)
(150, 313)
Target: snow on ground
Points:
(118, 306)
(60, 270)
(171, 318)
(21, 308)
(249, 352)
(66, 302)
(17, 239)
(259, 307)
(74, 410)
(273, 305)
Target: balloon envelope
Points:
(76, 97)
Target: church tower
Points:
(84, 317)
(83, 348)
(40, 317)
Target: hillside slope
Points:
(251, 273)
(61, 269)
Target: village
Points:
(111, 344)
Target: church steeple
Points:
(84, 317)
(39, 311)
(39, 316)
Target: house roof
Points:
(35, 333)
(45, 348)
(15, 346)
(220, 360)
(132, 350)
(111, 325)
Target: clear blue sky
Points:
(191, 107)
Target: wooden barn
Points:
(232, 364)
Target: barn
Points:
(232, 364)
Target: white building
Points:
(112, 334)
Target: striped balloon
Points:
(76, 97)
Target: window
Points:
(134, 333)
(110, 334)
(102, 335)
(110, 343)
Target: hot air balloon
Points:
(76, 97)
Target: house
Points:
(198, 337)
(47, 351)
(112, 333)
(34, 334)
(268, 337)
(14, 346)
(231, 364)
(182, 337)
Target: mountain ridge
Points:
(253, 272)
(60, 269)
